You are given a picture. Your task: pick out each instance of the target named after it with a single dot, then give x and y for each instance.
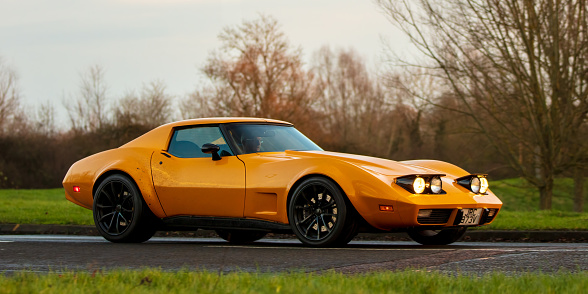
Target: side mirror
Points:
(211, 148)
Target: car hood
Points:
(372, 164)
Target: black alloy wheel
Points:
(320, 215)
(120, 214)
(437, 237)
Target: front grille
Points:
(488, 215)
(437, 216)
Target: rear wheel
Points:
(320, 215)
(120, 214)
(240, 236)
(437, 237)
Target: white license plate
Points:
(470, 216)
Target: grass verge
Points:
(538, 220)
(157, 281)
(518, 195)
(46, 206)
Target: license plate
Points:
(470, 216)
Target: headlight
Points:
(419, 185)
(483, 185)
(475, 185)
(436, 185)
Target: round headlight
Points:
(418, 185)
(436, 185)
(483, 185)
(475, 185)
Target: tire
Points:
(437, 237)
(320, 214)
(240, 236)
(120, 214)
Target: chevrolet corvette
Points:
(246, 177)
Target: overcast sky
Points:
(49, 42)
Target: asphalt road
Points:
(42, 253)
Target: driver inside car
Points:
(251, 144)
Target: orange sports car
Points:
(245, 177)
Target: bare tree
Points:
(153, 107)
(9, 95)
(256, 73)
(88, 111)
(45, 119)
(352, 105)
(519, 70)
(202, 103)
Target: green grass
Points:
(47, 206)
(518, 195)
(538, 220)
(410, 281)
(520, 210)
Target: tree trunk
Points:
(578, 189)
(546, 193)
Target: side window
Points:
(187, 143)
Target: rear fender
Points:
(135, 162)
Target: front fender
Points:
(136, 163)
(365, 190)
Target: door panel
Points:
(199, 186)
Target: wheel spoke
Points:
(107, 196)
(126, 197)
(324, 194)
(318, 229)
(104, 206)
(308, 202)
(110, 225)
(308, 228)
(122, 203)
(124, 219)
(112, 189)
(326, 226)
(329, 204)
(305, 219)
(106, 215)
(117, 222)
(122, 189)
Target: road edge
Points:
(472, 235)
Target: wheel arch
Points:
(109, 173)
(311, 175)
(363, 190)
(135, 164)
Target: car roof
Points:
(220, 120)
(158, 137)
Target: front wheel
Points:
(437, 237)
(120, 214)
(320, 215)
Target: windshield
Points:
(252, 138)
